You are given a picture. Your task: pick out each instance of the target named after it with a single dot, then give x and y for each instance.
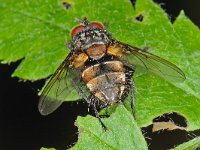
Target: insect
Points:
(101, 70)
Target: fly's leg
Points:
(91, 101)
(97, 115)
(132, 97)
(80, 91)
(130, 85)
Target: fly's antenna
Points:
(85, 22)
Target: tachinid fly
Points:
(101, 69)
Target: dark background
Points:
(22, 127)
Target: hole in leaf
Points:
(170, 131)
(169, 121)
(139, 18)
(66, 5)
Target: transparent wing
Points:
(57, 90)
(152, 63)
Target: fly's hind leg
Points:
(91, 102)
(130, 85)
(99, 118)
(132, 97)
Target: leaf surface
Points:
(36, 33)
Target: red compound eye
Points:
(80, 28)
(76, 30)
(97, 25)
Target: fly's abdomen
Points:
(106, 81)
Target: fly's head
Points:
(91, 38)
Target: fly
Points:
(101, 70)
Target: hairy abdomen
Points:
(106, 81)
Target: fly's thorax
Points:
(93, 42)
(87, 38)
(106, 81)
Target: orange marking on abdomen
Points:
(91, 72)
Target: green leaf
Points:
(36, 32)
(193, 144)
(189, 35)
(176, 44)
(122, 133)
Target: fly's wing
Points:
(152, 63)
(58, 89)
